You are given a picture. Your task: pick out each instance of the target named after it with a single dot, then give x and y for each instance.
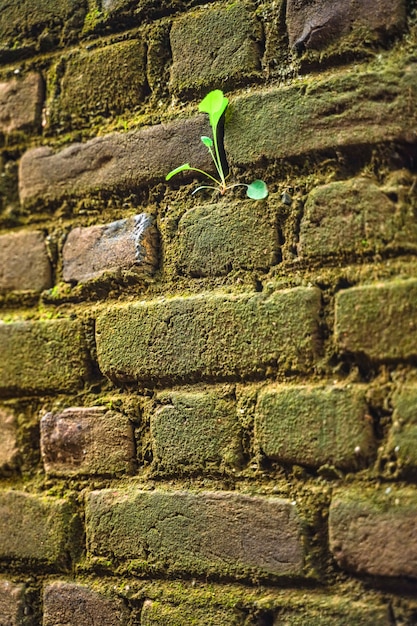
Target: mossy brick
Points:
(127, 245)
(21, 102)
(86, 440)
(8, 438)
(40, 23)
(374, 532)
(43, 355)
(24, 262)
(214, 239)
(378, 321)
(319, 113)
(194, 430)
(103, 81)
(196, 532)
(214, 45)
(314, 25)
(346, 217)
(118, 161)
(402, 439)
(315, 425)
(12, 603)
(71, 603)
(157, 613)
(210, 336)
(36, 528)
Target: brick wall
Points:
(208, 406)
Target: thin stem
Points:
(204, 187)
(218, 165)
(218, 182)
(218, 160)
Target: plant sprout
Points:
(215, 104)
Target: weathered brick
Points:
(70, 603)
(315, 425)
(402, 439)
(115, 161)
(228, 336)
(105, 81)
(8, 438)
(192, 430)
(346, 217)
(24, 263)
(35, 527)
(216, 238)
(349, 109)
(227, 51)
(41, 356)
(378, 321)
(12, 603)
(86, 441)
(157, 613)
(126, 245)
(375, 532)
(313, 25)
(196, 532)
(21, 103)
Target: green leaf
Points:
(215, 104)
(207, 141)
(257, 190)
(180, 168)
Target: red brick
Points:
(86, 441)
(78, 605)
(21, 102)
(126, 245)
(24, 263)
(199, 532)
(8, 438)
(12, 603)
(375, 532)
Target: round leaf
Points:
(207, 141)
(214, 104)
(257, 190)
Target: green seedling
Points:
(215, 104)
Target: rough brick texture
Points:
(8, 438)
(155, 613)
(42, 355)
(197, 531)
(371, 320)
(126, 245)
(24, 263)
(402, 440)
(192, 430)
(214, 239)
(69, 603)
(36, 528)
(375, 532)
(228, 336)
(86, 441)
(21, 102)
(227, 49)
(12, 603)
(313, 425)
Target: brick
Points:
(228, 47)
(194, 430)
(86, 441)
(105, 81)
(315, 425)
(196, 532)
(126, 245)
(8, 437)
(350, 109)
(41, 356)
(115, 161)
(24, 263)
(12, 603)
(214, 239)
(402, 439)
(21, 102)
(346, 217)
(314, 25)
(376, 532)
(157, 613)
(35, 528)
(378, 321)
(229, 336)
(70, 603)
